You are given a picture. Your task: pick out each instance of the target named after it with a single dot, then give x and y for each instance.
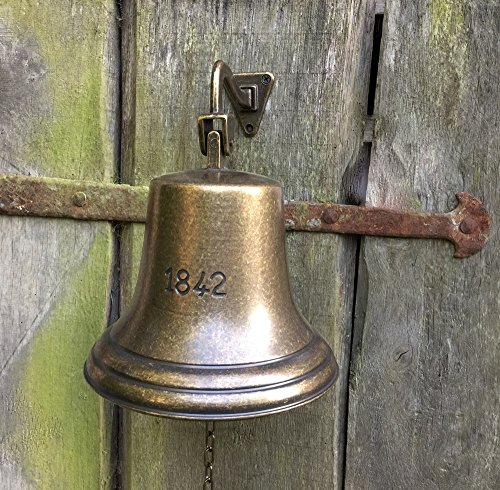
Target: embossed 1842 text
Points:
(181, 282)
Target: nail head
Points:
(80, 199)
(330, 216)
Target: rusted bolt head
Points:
(330, 216)
(80, 199)
(468, 226)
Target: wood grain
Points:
(311, 135)
(424, 397)
(58, 85)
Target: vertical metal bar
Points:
(214, 150)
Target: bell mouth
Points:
(190, 391)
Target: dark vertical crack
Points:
(359, 183)
(124, 173)
(116, 413)
(377, 41)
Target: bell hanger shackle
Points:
(248, 93)
(223, 77)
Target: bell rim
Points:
(214, 416)
(307, 376)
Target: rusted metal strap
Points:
(467, 226)
(61, 198)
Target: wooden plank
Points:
(424, 398)
(58, 74)
(379, 7)
(310, 139)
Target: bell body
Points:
(212, 331)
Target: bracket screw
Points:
(80, 199)
(266, 79)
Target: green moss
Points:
(448, 61)
(59, 419)
(413, 202)
(280, 459)
(449, 41)
(447, 21)
(150, 148)
(302, 211)
(476, 178)
(72, 140)
(324, 199)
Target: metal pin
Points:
(214, 152)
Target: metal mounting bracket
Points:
(248, 93)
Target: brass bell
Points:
(212, 331)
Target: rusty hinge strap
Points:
(61, 198)
(467, 226)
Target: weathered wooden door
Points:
(109, 91)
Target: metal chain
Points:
(208, 484)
